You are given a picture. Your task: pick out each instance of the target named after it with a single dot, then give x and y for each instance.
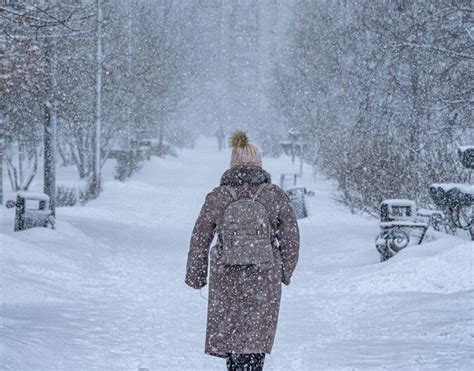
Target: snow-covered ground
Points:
(106, 289)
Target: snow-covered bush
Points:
(70, 196)
(128, 162)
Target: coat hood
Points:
(239, 175)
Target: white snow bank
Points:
(442, 266)
(43, 265)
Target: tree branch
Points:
(438, 49)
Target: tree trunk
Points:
(50, 154)
(50, 125)
(96, 145)
(130, 77)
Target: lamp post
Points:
(293, 135)
(296, 141)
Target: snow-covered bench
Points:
(457, 202)
(434, 218)
(297, 196)
(457, 199)
(398, 221)
(32, 210)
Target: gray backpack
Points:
(246, 234)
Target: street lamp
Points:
(296, 142)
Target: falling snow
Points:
(115, 125)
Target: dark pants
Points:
(245, 362)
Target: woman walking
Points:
(256, 250)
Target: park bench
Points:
(297, 196)
(32, 210)
(457, 199)
(399, 227)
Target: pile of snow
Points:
(442, 266)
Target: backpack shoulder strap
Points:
(232, 192)
(259, 191)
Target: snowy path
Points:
(106, 290)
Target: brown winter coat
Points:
(243, 301)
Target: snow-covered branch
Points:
(34, 21)
(436, 48)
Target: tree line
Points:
(383, 91)
(82, 77)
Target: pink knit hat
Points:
(243, 152)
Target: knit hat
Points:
(243, 152)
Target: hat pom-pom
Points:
(239, 139)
